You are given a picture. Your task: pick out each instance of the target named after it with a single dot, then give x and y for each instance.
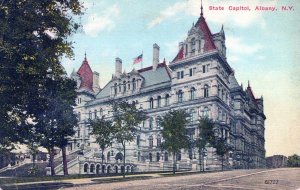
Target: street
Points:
(283, 178)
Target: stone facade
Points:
(199, 80)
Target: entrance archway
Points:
(98, 169)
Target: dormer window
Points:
(193, 45)
(180, 96)
(124, 86)
(133, 84)
(151, 103)
(167, 99)
(158, 101)
(115, 89)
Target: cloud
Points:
(98, 23)
(168, 13)
(239, 18)
(238, 46)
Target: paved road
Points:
(277, 179)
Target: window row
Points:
(126, 85)
(159, 101)
(192, 91)
(192, 71)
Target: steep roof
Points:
(179, 56)
(86, 74)
(208, 40)
(209, 44)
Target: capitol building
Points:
(199, 80)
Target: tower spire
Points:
(201, 14)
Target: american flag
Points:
(138, 59)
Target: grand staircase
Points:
(23, 168)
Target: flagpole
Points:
(142, 59)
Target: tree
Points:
(174, 133)
(206, 136)
(103, 131)
(126, 118)
(293, 161)
(33, 38)
(222, 148)
(57, 121)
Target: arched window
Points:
(167, 99)
(179, 156)
(124, 86)
(139, 156)
(150, 157)
(199, 45)
(166, 156)
(133, 84)
(101, 112)
(157, 156)
(95, 114)
(108, 156)
(138, 139)
(90, 114)
(157, 122)
(79, 116)
(180, 96)
(115, 88)
(150, 142)
(151, 123)
(193, 45)
(205, 89)
(92, 168)
(151, 103)
(192, 93)
(158, 141)
(85, 168)
(205, 112)
(222, 94)
(158, 101)
(193, 115)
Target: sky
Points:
(262, 47)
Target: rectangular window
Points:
(178, 75)
(204, 68)
(182, 74)
(191, 72)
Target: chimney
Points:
(118, 67)
(155, 56)
(96, 86)
(180, 45)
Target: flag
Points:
(138, 59)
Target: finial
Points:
(85, 55)
(201, 14)
(248, 83)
